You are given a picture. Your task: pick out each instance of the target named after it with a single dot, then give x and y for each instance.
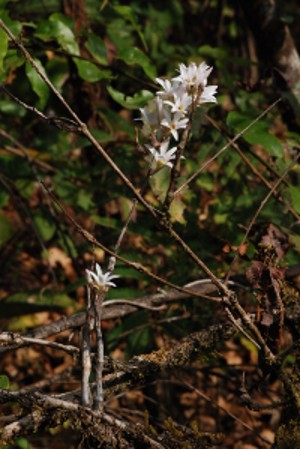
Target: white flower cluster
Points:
(169, 113)
(163, 118)
(98, 279)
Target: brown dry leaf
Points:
(269, 434)
(11, 76)
(254, 273)
(227, 248)
(111, 50)
(27, 261)
(28, 321)
(233, 358)
(208, 423)
(276, 239)
(68, 361)
(159, 341)
(114, 403)
(188, 399)
(222, 402)
(58, 256)
(203, 212)
(11, 370)
(112, 208)
(97, 254)
(117, 354)
(136, 396)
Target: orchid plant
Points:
(99, 280)
(170, 112)
(164, 119)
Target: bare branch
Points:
(10, 338)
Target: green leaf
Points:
(102, 136)
(159, 183)
(45, 227)
(25, 187)
(106, 222)
(134, 56)
(3, 48)
(138, 341)
(29, 302)
(56, 300)
(13, 59)
(65, 189)
(90, 72)
(58, 27)
(11, 108)
(220, 218)
(23, 443)
(213, 52)
(124, 293)
(68, 246)
(295, 240)
(239, 121)
(14, 25)
(21, 323)
(206, 181)
(127, 13)
(96, 47)
(6, 229)
(85, 200)
(250, 347)
(120, 33)
(4, 199)
(139, 99)
(257, 134)
(37, 84)
(295, 196)
(4, 382)
(269, 142)
(61, 25)
(176, 211)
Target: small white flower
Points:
(149, 118)
(163, 156)
(192, 76)
(168, 88)
(100, 280)
(208, 94)
(181, 102)
(173, 123)
(153, 113)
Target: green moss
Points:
(288, 436)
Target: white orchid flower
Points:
(99, 280)
(163, 156)
(208, 95)
(174, 122)
(181, 102)
(192, 76)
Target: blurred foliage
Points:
(103, 57)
